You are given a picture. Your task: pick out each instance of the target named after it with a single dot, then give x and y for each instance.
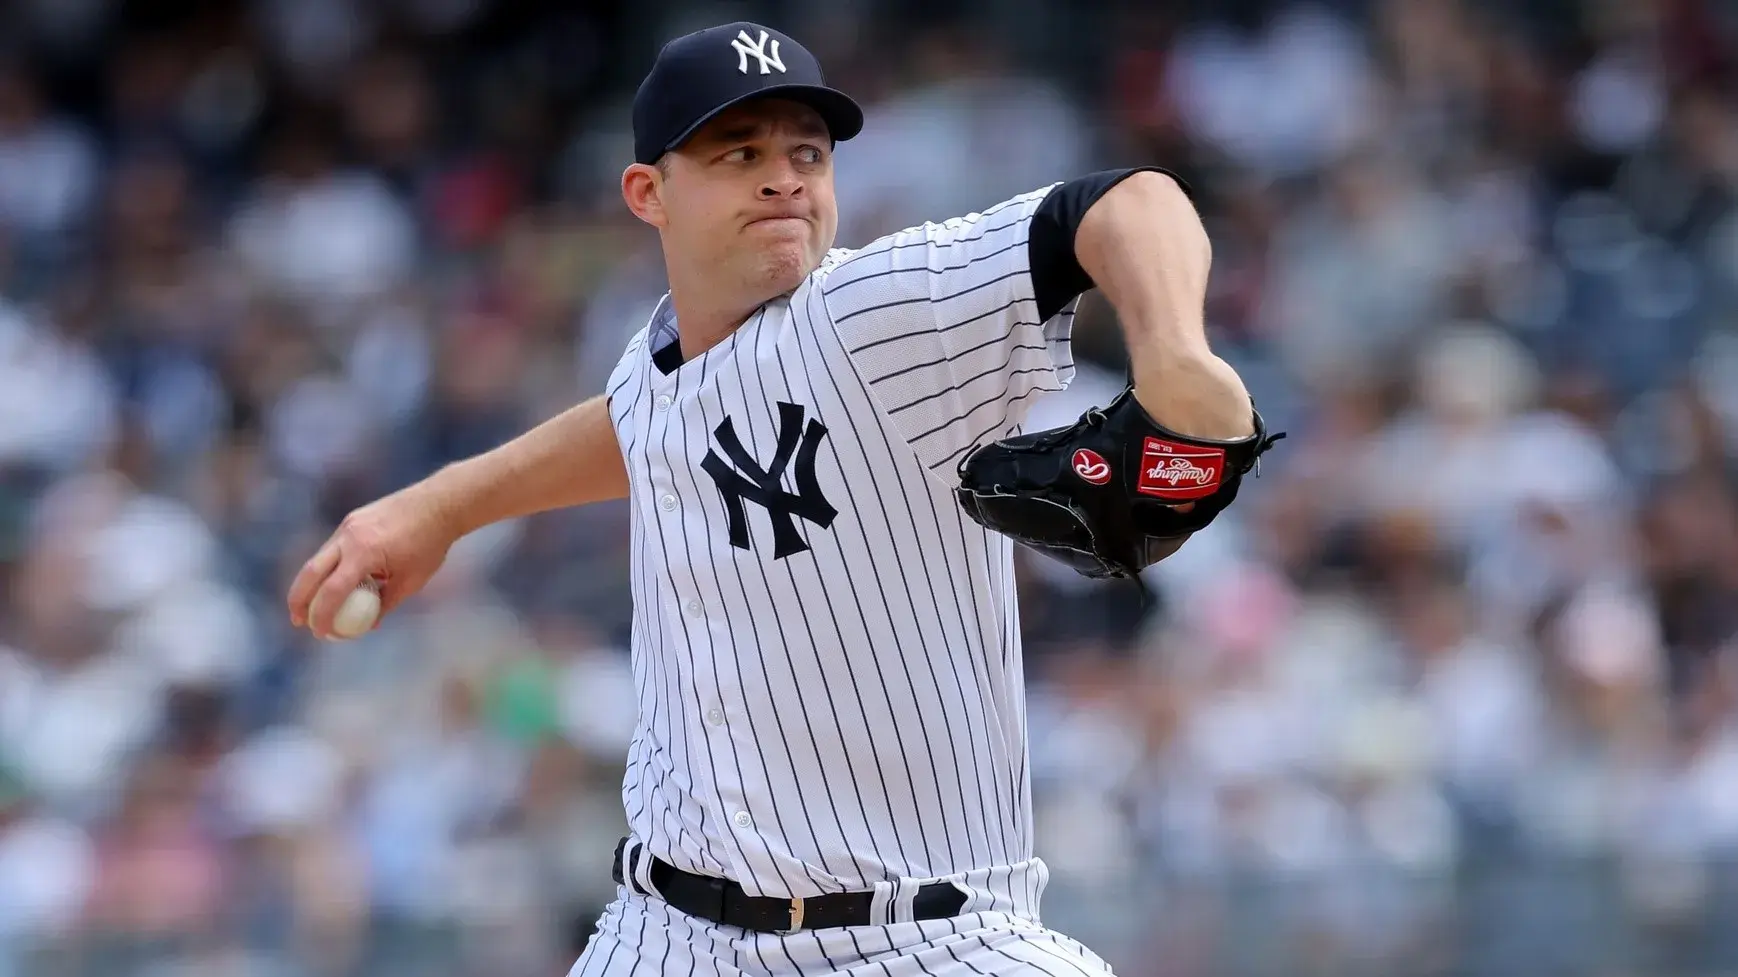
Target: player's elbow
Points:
(1143, 238)
(1157, 182)
(1149, 211)
(1160, 199)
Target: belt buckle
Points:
(796, 919)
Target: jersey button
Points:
(715, 717)
(694, 608)
(668, 502)
(664, 402)
(743, 820)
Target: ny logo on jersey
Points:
(764, 50)
(742, 478)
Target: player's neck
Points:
(702, 322)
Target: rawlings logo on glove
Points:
(1176, 471)
(1111, 494)
(1088, 465)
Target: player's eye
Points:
(809, 154)
(741, 154)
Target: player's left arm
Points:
(956, 327)
(1143, 245)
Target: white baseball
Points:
(358, 612)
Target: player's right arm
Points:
(572, 459)
(402, 539)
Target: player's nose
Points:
(782, 180)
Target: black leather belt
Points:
(723, 901)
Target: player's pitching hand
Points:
(397, 543)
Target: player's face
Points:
(751, 195)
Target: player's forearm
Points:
(571, 459)
(1145, 248)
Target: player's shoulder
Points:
(819, 280)
(831, 261)
(630, 362)
(1011, 210)
(659, 328)
(636, 344)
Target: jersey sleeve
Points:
(957, 327)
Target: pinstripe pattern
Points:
(846, 714)
(639, 936)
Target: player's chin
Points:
(784, 266)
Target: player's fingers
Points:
(331, 595)
(308, 580)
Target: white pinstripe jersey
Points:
(826, 650)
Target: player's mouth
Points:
(779, 220)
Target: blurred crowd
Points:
(1474, 627)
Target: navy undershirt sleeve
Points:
(1057, 276)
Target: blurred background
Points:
(1452, 690)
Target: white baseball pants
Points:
(642, 936)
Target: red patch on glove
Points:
(1091, 466)
(1180, 472)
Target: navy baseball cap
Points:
(699, 75)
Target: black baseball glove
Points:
(1111, 494)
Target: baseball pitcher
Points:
(827, 474)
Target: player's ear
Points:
(643, 192)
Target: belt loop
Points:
(641, 868)
(881, 903)
(900, 908)
(624, 869)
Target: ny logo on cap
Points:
(764, 50)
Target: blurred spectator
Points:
(317, 231)
(48, 173)
(46, 872)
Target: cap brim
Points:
(843, 116)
